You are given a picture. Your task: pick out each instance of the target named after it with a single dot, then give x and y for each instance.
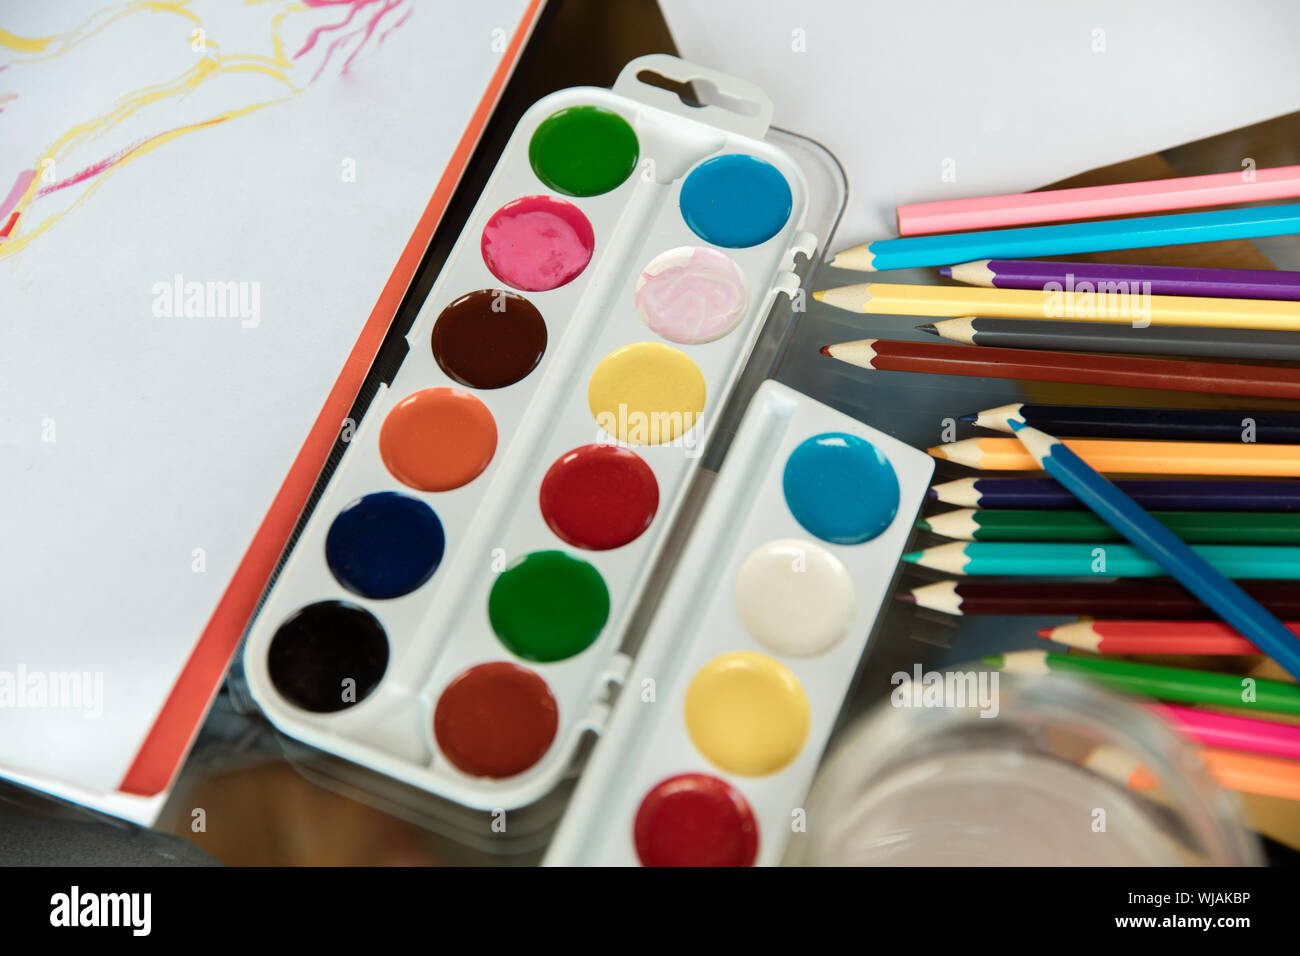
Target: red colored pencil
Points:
(940, 358)
(1116, 599)
(1154, 637)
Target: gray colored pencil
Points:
(1097, 337)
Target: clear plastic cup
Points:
(1064, 774)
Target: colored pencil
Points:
(1192, 567)
(1251, 773)
(1201, 527)
(1245, 773)
(1152, 280)
(1158, 600)
(1153, 637)
(1184, 424)
(1156, 493)
(1092, 202)
(886, 298)
(1163, 683)
(1096, 337)
(1074, 237)
(1058, 559)
(1230, 732)
(938, 358)
(1135, 457)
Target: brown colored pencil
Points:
(940, 358)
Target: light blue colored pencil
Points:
(1194, 568)
(1079, 559)
(1068, 238)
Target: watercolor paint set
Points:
(725, 714)
(452, 611)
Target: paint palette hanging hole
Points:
(700, 92)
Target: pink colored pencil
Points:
(1234, 733)
(1097, 202)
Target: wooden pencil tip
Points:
(907, 597)
(826, 350)
(859, 259)
(1046, 633)
(818, 295)
(938, 451)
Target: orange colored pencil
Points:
(1121, 456)
(1245, 773)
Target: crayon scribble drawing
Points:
(139, 74)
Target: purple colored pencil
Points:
(1152, 493)
(1149, 280)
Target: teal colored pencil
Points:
(1100, 560)
(1068, 238)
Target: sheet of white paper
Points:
(143, 436)
(925, 100)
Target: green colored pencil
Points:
(1204, 527)
(1082, 559)
(1163, 683)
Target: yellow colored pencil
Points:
(884, 298)
(1120, 456)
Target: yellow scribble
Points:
(60, 43)
(213, 64)
(14, 243)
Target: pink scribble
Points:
(16, 191)
(361, 34)
(384, 36)
(315, 34)
(92, 170)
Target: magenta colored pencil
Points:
(1145, 280)
(1234, 733)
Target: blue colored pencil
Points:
(1157, 542)
(1068, 238)
(1158, 494)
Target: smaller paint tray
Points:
(442, 629)
(647, 741)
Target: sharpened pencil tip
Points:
(907, 597)
(932, 494)
(819, 295)
(929, 328)
(946, 272)
(912, 557)
(996, 661)
(1046, 633)
(923, 525)
(826, 350)
(969, 419)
